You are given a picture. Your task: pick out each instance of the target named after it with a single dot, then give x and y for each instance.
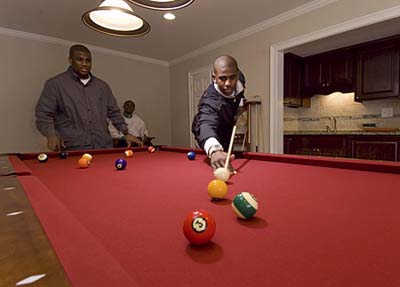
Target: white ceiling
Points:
(198, 25)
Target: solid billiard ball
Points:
(245, 205)
(42, 157)
(83, 162)
(222, 173)
(191, 155)
(120, 164)
(217, 189)
(151, 149)
(199, 227)
(63, 155)
(128, 153)
(88, 156)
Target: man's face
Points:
(226, 79)
(129, 108)
(81, 63)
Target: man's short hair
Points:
(129, 101)
(78, 48)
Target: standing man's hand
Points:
(55, 143)
(218, 159)
(132, 139)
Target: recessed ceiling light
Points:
(116, 18)
(162, 4)
(169, 16)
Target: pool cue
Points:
(230, 146)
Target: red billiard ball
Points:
(151, 149)
(199, 227)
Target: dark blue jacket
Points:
(216, 117)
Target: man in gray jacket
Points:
(74, 106)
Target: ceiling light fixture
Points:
(162, 4)
(169, 16)
(116, 18)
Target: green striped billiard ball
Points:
(245, 205)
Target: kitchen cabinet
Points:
(374, 147)
(320, 145)
(378, 70)
(293, 82)
(330, 72)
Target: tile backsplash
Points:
(349, 115)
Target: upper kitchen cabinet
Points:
(293, 81)
(330, 72)
(378, 70)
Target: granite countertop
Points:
(344, 132)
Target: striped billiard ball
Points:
(245, 205)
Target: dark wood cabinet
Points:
(320, 145)
(293, 82)
(378, 70)
(372, 147)
(330, 72)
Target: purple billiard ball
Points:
(191, 155)
(120, 164)
(63, 155)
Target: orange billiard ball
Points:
(151, 149)
(217, 189)
(83, 162)
(199, 227)
(128, 153)
(88, 156)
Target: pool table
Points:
(321, 221)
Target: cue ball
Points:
(245, 205)
(83, 162)
(63, 155)
(217, 189)
(120, 164)
(42, 157)
(128, 153)
(222, 173)
(151, 149)
(191, 155)
(199, 227)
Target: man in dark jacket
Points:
(73, 109)
(217, 111)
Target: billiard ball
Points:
(63, 155)
(42, 157)
(199, 227)
(245, 205)
(191, 155)
(151, 149)
(217, 189)
(88, 156)
(222, 173)
(120, 164)
(128, 153)
(83, 162)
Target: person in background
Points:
(136, 125)
(75, 106)
(218, 109)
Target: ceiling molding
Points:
(256, 28)
(62, 42)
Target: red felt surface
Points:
(316, 226)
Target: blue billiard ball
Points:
(191, 155)
(63, 155)
(120, 164)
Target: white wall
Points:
(252, 53)
(25, 64)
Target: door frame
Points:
(276, 66)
